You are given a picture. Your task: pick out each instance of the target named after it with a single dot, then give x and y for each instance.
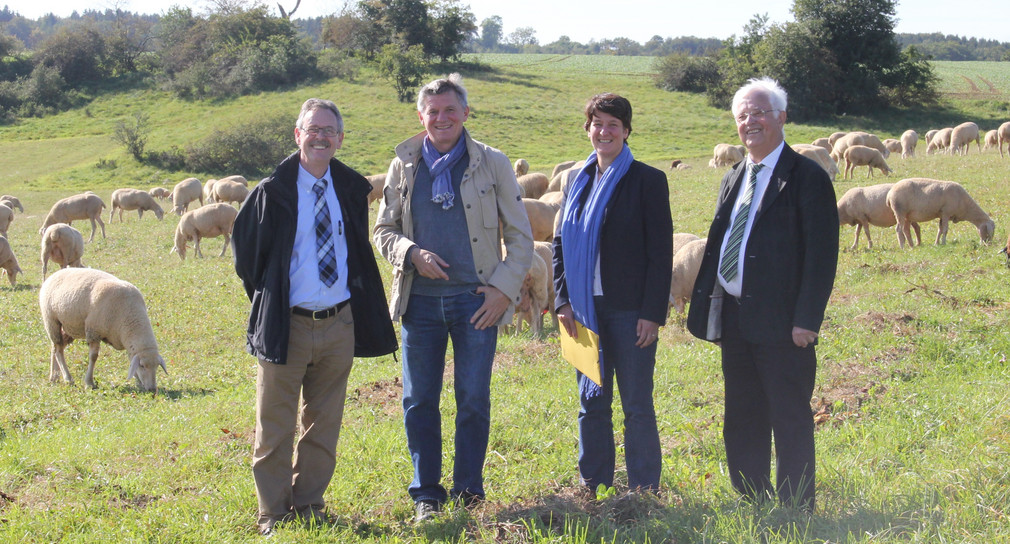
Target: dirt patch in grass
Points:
(383, 395)
(845, 388)
(898, 324)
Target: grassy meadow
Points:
(912, 398)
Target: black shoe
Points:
(425, 510)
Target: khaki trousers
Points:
(320, 355)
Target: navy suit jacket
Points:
(789, 261)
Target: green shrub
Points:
(250, 149)
(682, 72)
(336, 63)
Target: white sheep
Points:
(533, 296)
(546, 252)
(208, 190)
(940, 140)
(87, 205)
(922, 199)
(533, 185)
(991, 140)
(64, 245)
(134, 199)
(521, 168)
(856, 138)
(892, 144)
(562, 166)
(834, 137)
(681, 239)
(6, 218)
(725, 155)
(377, 181)
(865, 206)
(686, 264)
(541, 216)
(184, 192)
(930, 133)
(860, 155)
(822, 142)
(229, 190)
(209, 221)
(909, 139)
(84, 303)
(160, 193)
(9, 262)
(819, 155)
(236, 178)
(554, 198)
(1004, 137)
(961, 138)
(12, 202)
(564, 178)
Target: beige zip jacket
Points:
(489, 194)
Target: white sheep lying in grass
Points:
(160, 193)
(521, 167)
(865, 206)
(909, 139)
(686, 264)
(209, 221)
(134, 199)
(83, 303)
(6, 218)
(921, 199)
(961, 138)
(229, 190)
(9, 262)
(83, 206)
(1004, 137)
(819, 155)
(533, 185)
(12, 202)
(184, 192)
(726, 155)
(860, 155)
(940, 140)
(64, 245)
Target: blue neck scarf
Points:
(580, 241)
(440, 167)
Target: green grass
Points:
(914, 434)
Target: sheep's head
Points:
(12, 272)
(985, 231)
(144, 367)
(180, 243)
(158, 212)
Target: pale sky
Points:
(585, 20)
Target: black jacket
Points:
(263, 238)
(791, 255)
(636, 246)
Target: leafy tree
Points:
(791, 54)
(491, 33)
(682, 72)
(405, 67)
(133, 136)
(522, 37)
(77, 53)
(452, 24)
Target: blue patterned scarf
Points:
(580, 242)
(440, 167)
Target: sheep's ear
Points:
(134, 366)
(162, 363)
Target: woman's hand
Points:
(567, 320)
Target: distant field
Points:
(976, 79)
(570, 63)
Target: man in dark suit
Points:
(765, 279)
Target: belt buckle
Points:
(319, 315)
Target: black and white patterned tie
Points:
(325, 253)
(731, 253)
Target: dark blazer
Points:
(636, 246)
(790, 258)
(262, 240)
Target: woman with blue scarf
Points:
(612, 267)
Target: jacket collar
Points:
(409, 150)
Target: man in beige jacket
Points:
(448, 204)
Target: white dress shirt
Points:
(307, 290)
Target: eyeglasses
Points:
(759, 114)
(328, 132)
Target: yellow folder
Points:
(582, 352)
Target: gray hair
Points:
(452, 83)
(314, 104)
(767, 86)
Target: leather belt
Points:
(316, 315)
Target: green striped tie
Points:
(731, 253)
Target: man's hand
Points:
(429, 264)
(802, 337)
(648, 332)
(495, 304)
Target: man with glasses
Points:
(302, 251)
(763, 285)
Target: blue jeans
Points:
(634, 368)
(426, 327)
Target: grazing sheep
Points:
(1004, 136)
(961, 138)
(87, 205)
(909, 139)
(929, 135)
(681, 239)
(12, 202)
(562, 166)
(860, 155)
(208, 190)
(541, 215)
(554, 198)
(98, 307)
(160, 193)
(533, 185)
(533, 296)
(6, 218)
(834, 137)
(521, 167)
(686, 263)
(228, 191)
(9, 262)
(236, 178)
(940, 140)
(725, 155)
(546, 252)
(922, 199)
(186, 191)
(857, 138)
(134, 199)
(561, 180)
(991, 140)
(865, 206)
(377, 181)
(819, 155)
(893, 145)
(64, 245)
(209, 221)
(822, 142)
